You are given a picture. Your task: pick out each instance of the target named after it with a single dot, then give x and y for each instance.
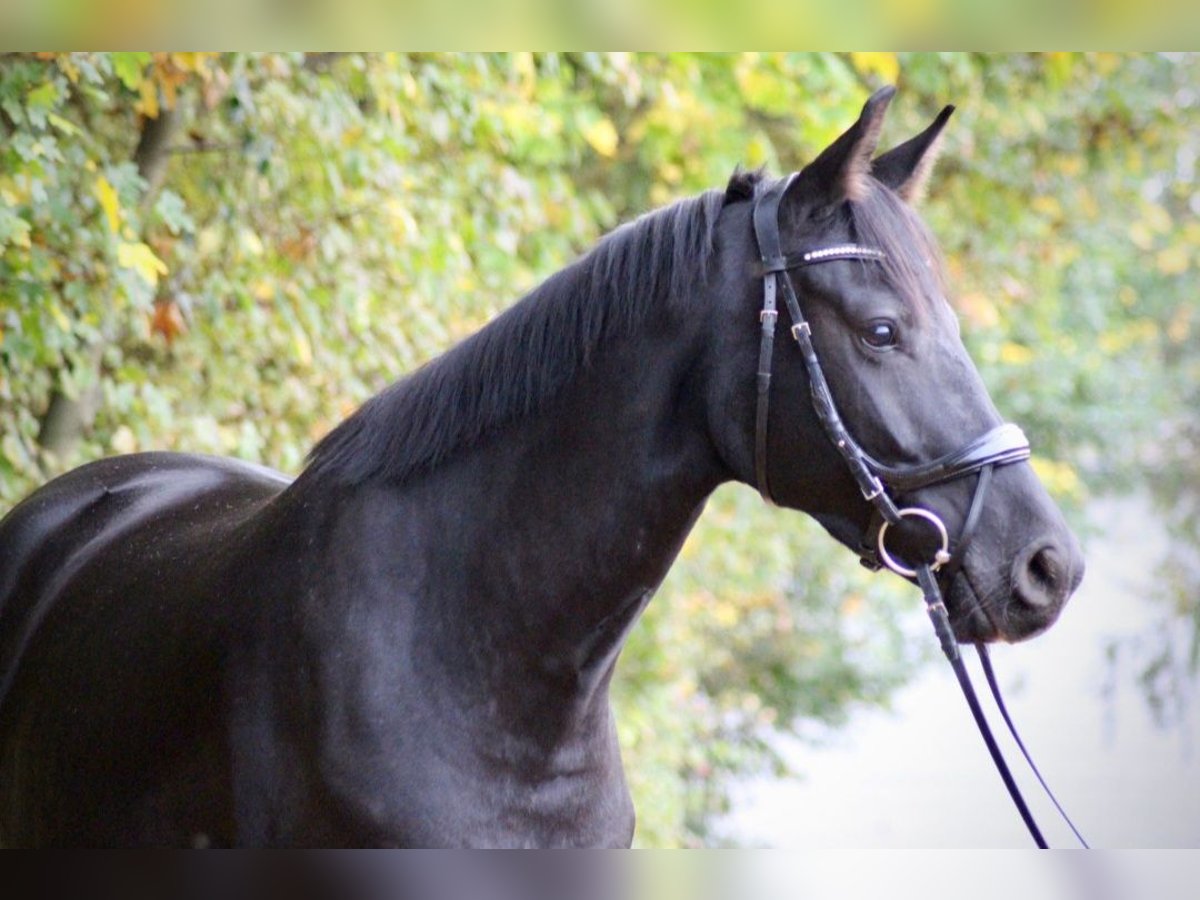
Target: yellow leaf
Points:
(1058, 477)
(757, 86)
(670, 173)
(1140, 234)
(1180, 326)
(60, 318)
(141, 259)
(1071, 166)
(1173, 260)
(69, 69)
(302, 347)
(1015, 354)
(1107, 63)
(726, 614)
(194, 62)
(1046, 205)
(263, 289)
(758, 152)
(251, 242)
(147, 104)
(107, 197)
(1059, 62)
(1157, 218)
(885, 65)
(602, 135)
(526, 70)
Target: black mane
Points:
(513, 366)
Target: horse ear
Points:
(843, 170)
(905, 169)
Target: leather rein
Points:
(1000, 446)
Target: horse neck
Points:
(538, 547)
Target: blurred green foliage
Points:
(227, 253)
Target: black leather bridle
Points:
(1000, 446)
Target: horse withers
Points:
(411, 643)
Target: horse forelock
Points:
(517, 363)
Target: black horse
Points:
(412, 642)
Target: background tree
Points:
(227, 253)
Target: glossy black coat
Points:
(411, 644)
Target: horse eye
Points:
(880, 334)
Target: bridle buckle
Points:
(875, 491)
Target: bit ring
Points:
(940, 558)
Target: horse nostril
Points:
(1044, 568)
(1039, 575)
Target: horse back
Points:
(111, 575)
(138, 517)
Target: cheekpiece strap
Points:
(774, 268)
(766, 232)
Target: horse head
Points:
(875, 419)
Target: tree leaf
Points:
(110, 202)
(42, 97)
(602, 135)
(147, 103)
(885, 65)
(131, 67)
(141, 259)
(66, 127)
(1174, 260)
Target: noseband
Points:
(1000, 446)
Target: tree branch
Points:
(153, 149)
(67, 419)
